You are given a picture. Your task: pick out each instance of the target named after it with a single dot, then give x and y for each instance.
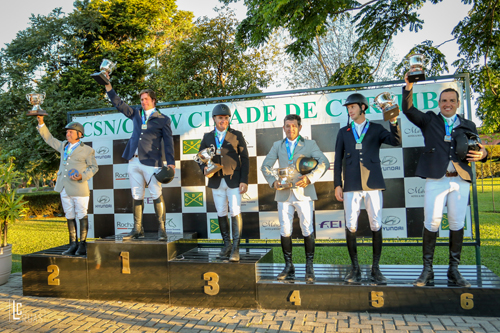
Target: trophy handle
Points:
(196, 159)
(28, 97)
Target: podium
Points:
(181, 272)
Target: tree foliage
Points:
(377, 22)
(208, 63)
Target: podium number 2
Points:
(212, 286)
(295, 297)
(466, 301)
(54, 273)
(377, 299)
(125, 262)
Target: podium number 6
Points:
(466, 301)
(212, 286)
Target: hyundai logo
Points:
(102, 150)
(103, 199)
(389, 160)
(391, 220)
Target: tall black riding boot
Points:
(226, 237)
(309, 247)
(456, 242)
(354, 276)
(73, 240)
(161, 217)
(288, 272)
(237, 226)
(376, 274)
(428, 246)
(84, 228)
(137, 231)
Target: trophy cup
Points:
(35, 100)
(107, 66)
(284, 177)
(417, 65)
(386, 103)
(205, 157)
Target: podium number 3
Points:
(54, 273)
(212, 286)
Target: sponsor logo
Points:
(121, 176)
(445, 224)
(124, 225)
(389, 160)
(102, 150)
(391, 220)
(416, 190)
(170, 223)
(246, 197)
(193, 199)
(271, 224)
(214, 226)
(413, 131)
(103, 202)
(330, 224)
(191, 146)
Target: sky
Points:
(439, 20)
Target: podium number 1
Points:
(125, 262)
(212, 286)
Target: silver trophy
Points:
(107, 66)
(387, 104)
(35, 100)
(417, 64)
(205, 157)
(284, 177)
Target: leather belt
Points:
(451, 174)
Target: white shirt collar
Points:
(359, 127)
(451, 120)
(148, 112)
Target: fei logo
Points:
(330, 225)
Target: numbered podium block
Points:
(50, 274)
(135, 270)
(330, 293)
(199, 278)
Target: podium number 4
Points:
(212, 286)
(294, 297)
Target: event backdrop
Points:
(189, 202)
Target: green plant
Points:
(11, 205)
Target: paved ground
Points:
(38, 314)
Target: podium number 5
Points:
(212, 286)
(377, 299)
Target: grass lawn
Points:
(39, 234)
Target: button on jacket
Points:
(233, 158)
(362, 170)
(149, 141)
(82, 159)
(437, 154)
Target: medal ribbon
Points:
(68, 151)
(448, 127)
(143, 115)
(359, 139)
(217, 142)
(290, 152)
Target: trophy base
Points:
(100, 78)
(283, 186)
(416, 76)
(37, 113)
(391, 112)
(213, 169)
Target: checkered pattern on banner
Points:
(190, 204)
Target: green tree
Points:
(57, 53)
(209, 63)
(377, 22)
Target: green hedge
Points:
(43, 203)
